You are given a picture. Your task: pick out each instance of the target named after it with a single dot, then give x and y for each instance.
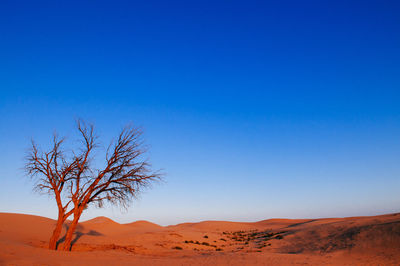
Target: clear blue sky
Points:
(255, 109)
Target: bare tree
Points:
(52, 171)
(122, 177)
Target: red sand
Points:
(101, 241)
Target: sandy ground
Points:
(101, 241)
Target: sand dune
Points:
(100, 220)
(144, 225)
(101, 241)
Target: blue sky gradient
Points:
(254, 109)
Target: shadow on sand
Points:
(78, 234)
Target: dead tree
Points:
(51, 172)
(124, 174)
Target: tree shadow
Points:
(78, 234)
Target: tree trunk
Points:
(70, 232)
(57, 232)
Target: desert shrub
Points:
(205, 244)
(206, 236)
(177, 247)
(218, 249)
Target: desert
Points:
(219, 133)
(369, 240)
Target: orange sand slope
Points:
(101, 241)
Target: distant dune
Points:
(100, 220)
(144, 225)
(371, 240)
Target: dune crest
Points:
(144, 225)
(100, 219)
